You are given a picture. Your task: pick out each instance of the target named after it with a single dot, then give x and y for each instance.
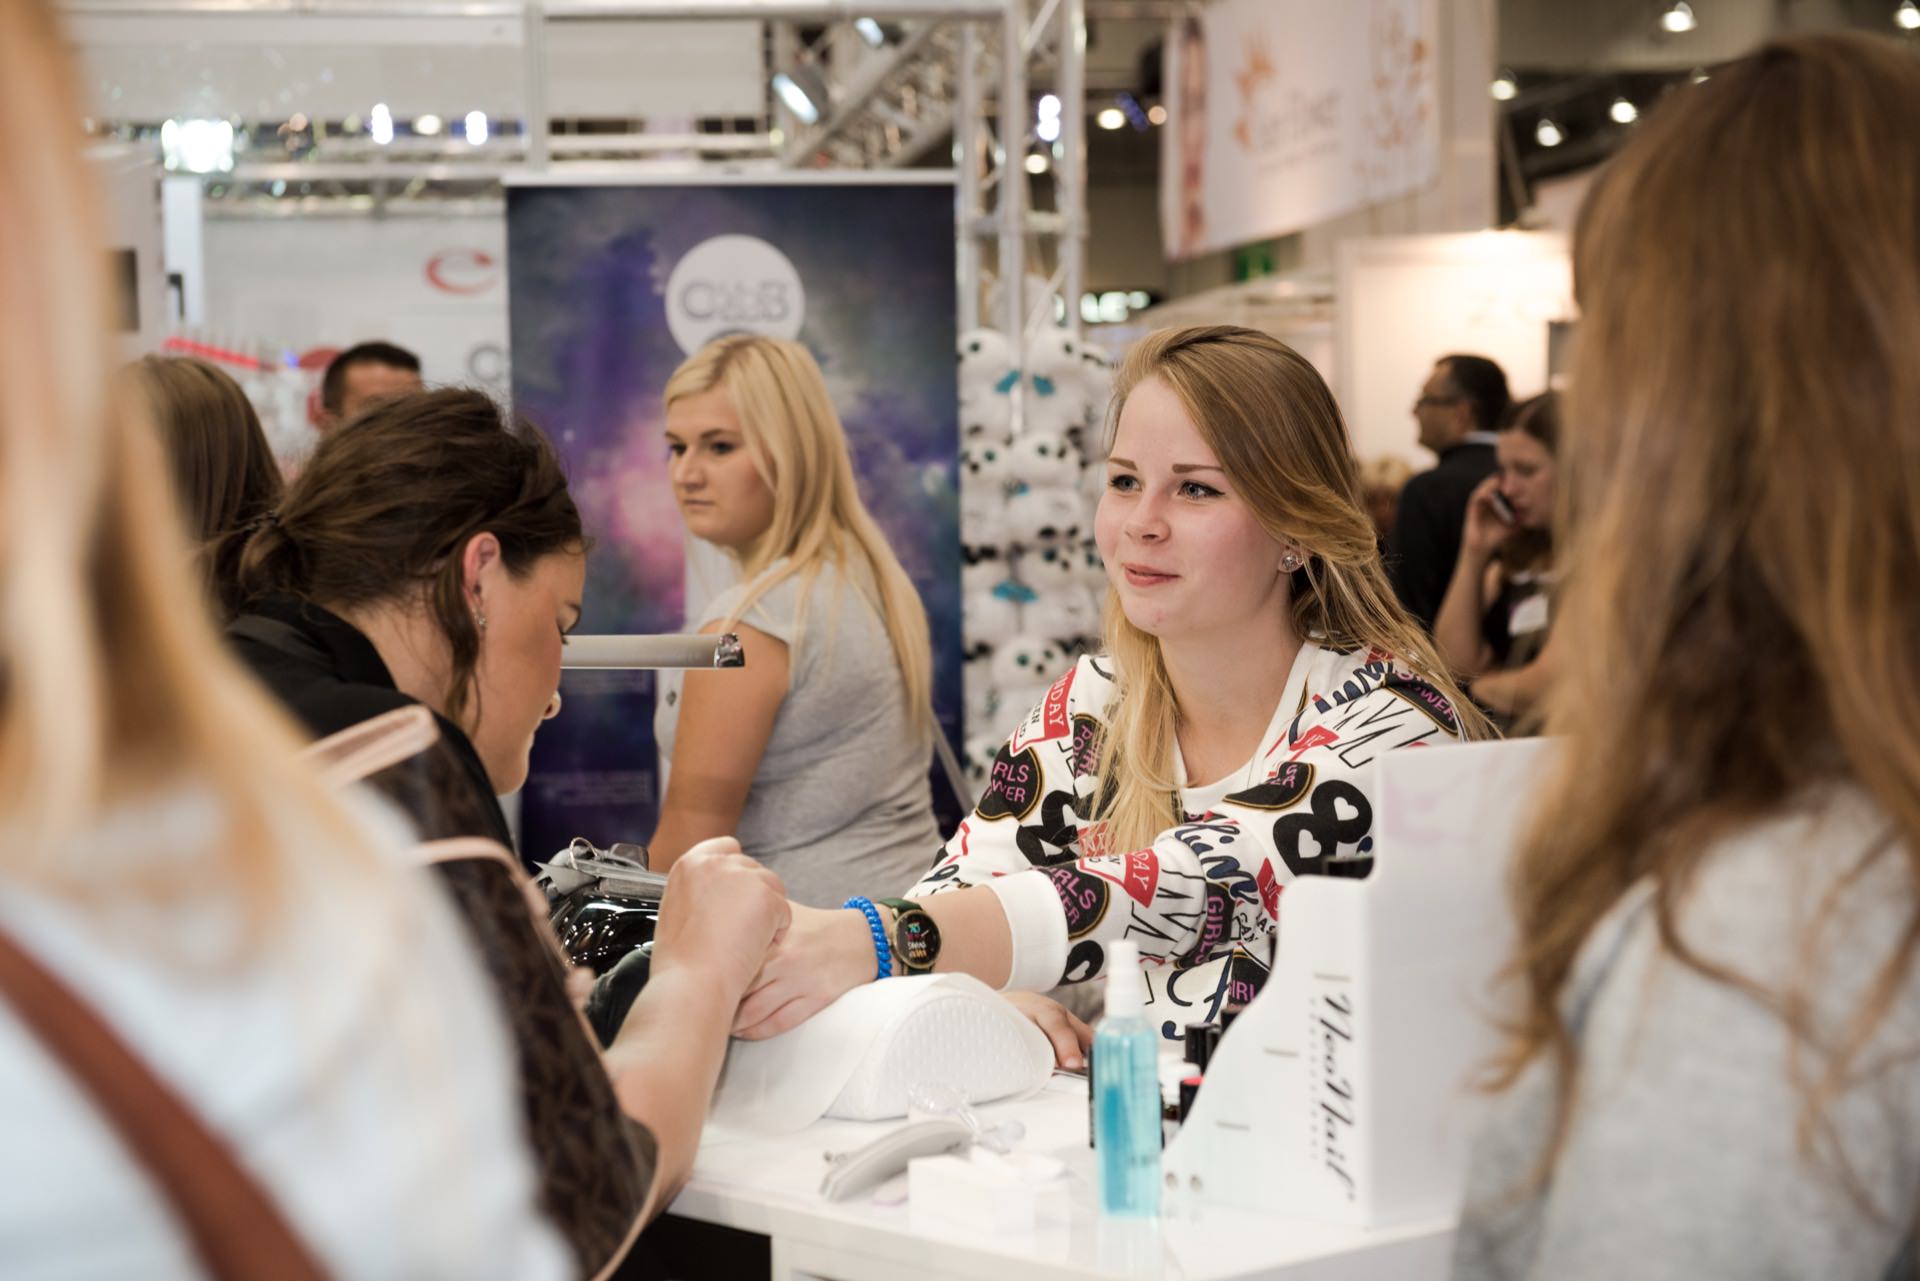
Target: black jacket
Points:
(1426, 533)
(331, 677)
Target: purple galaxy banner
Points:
(608, 287)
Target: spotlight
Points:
(197, 146)
(1679, 18)
(1156, 115)
(476, 128)
(1547, 133)
(428, 125)
(870, 31)
(1504, 87)
(1113, 117)
(1049, 108)
(804, 100)
(1623, 112)
(1037, 163)
(1907, 16)
(380, 124)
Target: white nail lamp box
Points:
(1342, 1092)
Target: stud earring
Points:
(480, 620)
(1290, 562)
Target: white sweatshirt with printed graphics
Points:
(1201, 901)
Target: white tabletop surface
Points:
(771, 1186)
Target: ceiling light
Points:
(380, 124)
(1623, 112)
(1049, 107)
(1113, 117)
(870, 31)
(1907, 16)
(428, 125)
(1048, 130)
(1679, 18)
(197, 146)
(802, 99)
(476, 127)
(1547, 133)
(1504, 87)
(1156, 114)
(1037, 163)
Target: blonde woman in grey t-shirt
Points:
(815, 754)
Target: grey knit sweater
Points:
(1681, 1161)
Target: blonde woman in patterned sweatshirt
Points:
(1167, 790)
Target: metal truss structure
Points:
(958, 73)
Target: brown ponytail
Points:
(384, 508)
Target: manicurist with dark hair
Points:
(431, 554)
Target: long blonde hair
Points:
(800, 449)
(1270, 420)
(1742, 504)
(116, 687)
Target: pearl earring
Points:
(1290, 562)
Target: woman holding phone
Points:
(1492, 626)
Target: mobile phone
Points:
(1501, 507)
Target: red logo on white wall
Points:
(463, 271)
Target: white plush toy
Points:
(1058, 398)
(985, 461)
(981, 749)
(987, 378)
(1065, 612)
(976, 678)
(1047, 516)
(983, 518)
(1043, 460)
(1023, 667)
(993, 610)
(1062, 607)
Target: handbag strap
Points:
(235, 1227)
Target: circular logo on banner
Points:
(462, 271)
(733, 284)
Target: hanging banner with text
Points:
(1284, 113)
(611, 286)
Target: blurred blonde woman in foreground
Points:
(256, 944)
(1718, 1069)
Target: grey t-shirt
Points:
(1681, 1159)
(841, 804)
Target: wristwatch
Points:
(916, 939)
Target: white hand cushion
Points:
(856, 1059)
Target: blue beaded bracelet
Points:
(882, 954)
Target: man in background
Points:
(362, 375)
(1460, 408)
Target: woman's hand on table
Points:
(1070, 1037)
(823, 954)
(723, 913)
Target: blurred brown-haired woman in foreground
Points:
(224, 473)
(170, 862)
(1716, 1071)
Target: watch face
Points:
(918, 940)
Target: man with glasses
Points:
(1460, 407)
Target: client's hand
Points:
(722, 912)
(1069, 1035)
(823, 954)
